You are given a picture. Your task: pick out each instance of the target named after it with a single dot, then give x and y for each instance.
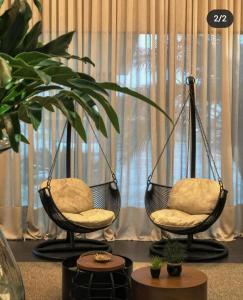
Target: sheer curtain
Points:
(150, 46)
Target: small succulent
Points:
(174, 252)
(156, 263)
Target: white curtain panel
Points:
(150, 46)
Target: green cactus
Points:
(156, 263)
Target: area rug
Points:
(42, 280)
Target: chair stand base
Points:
(199, 250)
(58, 250)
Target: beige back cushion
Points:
(194, 195)
(71, 195)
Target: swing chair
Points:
(191, 205)
(94, 208)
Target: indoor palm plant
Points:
(28, 69)
(174, 253)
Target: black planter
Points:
(174, 269)
(155, 273)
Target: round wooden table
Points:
(96, 280)
(87, 263)
(191, 285)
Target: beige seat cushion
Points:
(176, 218)
(93, 218)
(71, 195)
(194, 195)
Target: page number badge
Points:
(220, 18)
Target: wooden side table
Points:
(87, 263)
(191, 285)
(95, 280)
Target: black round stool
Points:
(80, 284)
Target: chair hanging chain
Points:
(55, 157)
(205, 144)
(58, 148)
(207, 147)
(103, 152)
(168, 139)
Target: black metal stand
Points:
(197, 251)
(191, 81)
(58, 250)
(103, 285)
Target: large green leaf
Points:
(30, 41)
(5, 72)
(41, 89)
(124, 90)
(91, 110)
(84, 59)
(97, 118)
(12, 126)
(16, 25)
(85, 84)
(23, 114)
(4, 108)
(107, 107)
(46, 102)
(85, 77)
(32, 58)
(11, 96)
(49, 63)
(61, 74)
(34, 112)
(67, 107)
(21, 138)
(29, 72)
(17, 62)
(58, 46)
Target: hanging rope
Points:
(167, 140)
(103, 152)
(58, 148)
(212, 163)
(55, 157)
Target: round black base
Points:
(69, 273)
(199, 250)
(58, 250)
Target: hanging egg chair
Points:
(192, 205)
(77, 208)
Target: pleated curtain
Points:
(150, 46)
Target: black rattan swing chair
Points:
(157, 196)
(105, 196)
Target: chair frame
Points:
(105, 195)
(157, 196)
(60, 249)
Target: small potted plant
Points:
(155, 266)
(174, 254)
